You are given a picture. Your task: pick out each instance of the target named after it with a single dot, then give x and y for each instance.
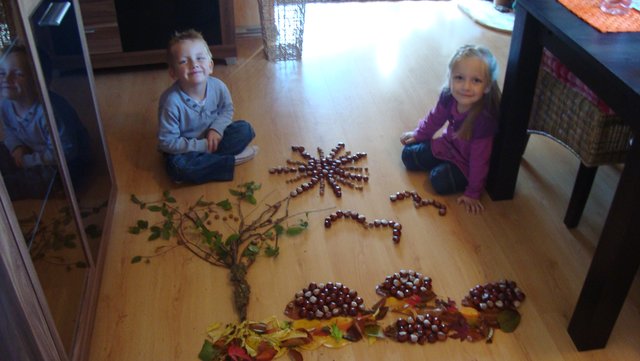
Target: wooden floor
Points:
(369, 72)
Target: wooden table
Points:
(609, 63)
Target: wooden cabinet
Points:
(101, 26)
(114, 29)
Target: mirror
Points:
(55, 29)
(31, 149)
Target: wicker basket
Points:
(568, 117)
(282, 28)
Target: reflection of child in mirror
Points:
(27, 156)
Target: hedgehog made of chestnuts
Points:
(320, 301)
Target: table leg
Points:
(517, 97)
(614, 265)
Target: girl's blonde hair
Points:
(491, 99)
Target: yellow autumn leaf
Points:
(343, 323)
(330, 342)
(470, 314)
(306, 324)
(314, 344)
(400, 306)
(251, 344)
(281, 352)
(213, 326)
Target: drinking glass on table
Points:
(615, 7)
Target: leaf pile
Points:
(273, 338)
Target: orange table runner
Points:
(589, 11)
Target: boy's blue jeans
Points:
(197, 167)
(445, 177)
(26, 183)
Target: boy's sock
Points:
(247, 154)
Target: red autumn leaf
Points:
(294, 355)
(237, 353)
(449, 305)
(413, 301)
(266, 352)
(464, 332)
(353, 334)
(292, 311)
(294, 342)
(382, 312)
(321, 331)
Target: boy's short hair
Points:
(15, 48)
(179, 36)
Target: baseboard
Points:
(248, 31)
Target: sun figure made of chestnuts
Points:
(337, 170)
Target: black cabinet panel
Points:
(148, 24)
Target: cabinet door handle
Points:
(54, 14)
(89, 30)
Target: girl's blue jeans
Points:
(197, 167)
(445, 177)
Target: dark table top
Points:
(602, 60)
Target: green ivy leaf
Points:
(508, 320)
(135, 199)
(336, 333)
(154, 208)
(272, 251)
(167, 197)
(232, 238)
(373, 331)
(251, 251)
(142, 224)
(69, 244)
(154, 236)
(235, 192)
(136, 259)
(279, 229)
(93, 231)
(209, 352)
(220, 249)
(226, 205)
(203, 203)
(251, 199)
(294, 231)
(134, 230)
(209, 236)
(251, 186)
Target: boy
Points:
(199, 140)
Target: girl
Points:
(469, 102)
